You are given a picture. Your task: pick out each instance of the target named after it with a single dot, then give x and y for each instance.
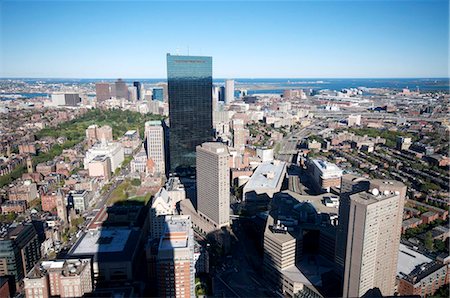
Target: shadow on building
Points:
(114, 241)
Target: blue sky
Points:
(252, 39)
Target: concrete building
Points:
(373, 239)
(267, 179)
(403, 143)
(354, 120)
(121, 89)
(163, 204)
(95, 134)
(19, 250)
(113, 150)
(79, 200)
(229, 91)
(139, 163)
(113, 252)
(102, 91)
(155, 135)
(325, 174)
(294, 222)
(175, 259)
(65, 99)
(62, 278)
(100, 167)
(213, 183)
(239, 135)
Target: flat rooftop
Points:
(315, 201)
(109, 244)
(176, 233)
(266, 175)
(325, 166)
(104, 240)
(409, 259)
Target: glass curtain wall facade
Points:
(190, 107)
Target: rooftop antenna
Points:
(188, 49)
(177, 52)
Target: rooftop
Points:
(176, 234)
(325, 166)
(409, 259)
(111, 244)
(266, 175)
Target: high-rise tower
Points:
(373, 238)
(213, 183)
(190, 107)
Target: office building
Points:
(239, 135)
(65, 99)
(229, 91)
(350, 184)
(162, 205)
(267, 179)
(62, 278)
(95, 134)
(79, 200)
(190, 107)
(373, 239)
(19, 250)
(113, 250)
(132, 93)
(213, 183)
(325, 174)
(121, 89)
(139, 89)
(113, 150)
(298, 225)
(158, 94)
(175, 259)
(354, 120)
(403, 143)
(102, 91)
(155, 135)
(100, 167)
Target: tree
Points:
(136, 182)
(429, 240)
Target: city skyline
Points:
(340, 39)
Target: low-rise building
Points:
(26, 191)
(267, 179)
(14, 207)
(325, 174)
(113, 150)
(62, 278)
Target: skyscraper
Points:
(175, 259)
(138, 90)
(190, 107)
(350, 184)
(229, 91)
(154, 133)
(102, 91)
(213, 183)
(374, 228)
(121, 89)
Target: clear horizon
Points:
(250, 39)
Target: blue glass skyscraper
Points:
(189, 81)
(158, 94)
